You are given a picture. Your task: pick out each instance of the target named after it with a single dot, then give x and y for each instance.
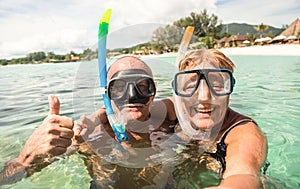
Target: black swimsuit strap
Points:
(222, 138)
(220, 153)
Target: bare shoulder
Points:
(245, 132)
(247, 145)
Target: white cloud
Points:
(63, 25)
(271, 12)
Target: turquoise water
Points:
(267, 89)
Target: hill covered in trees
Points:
(247, 29)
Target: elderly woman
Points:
(232, 143)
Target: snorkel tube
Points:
(184, 43)
(181, 112)
(118, 127)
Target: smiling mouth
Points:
(137, 105)
(204, 110)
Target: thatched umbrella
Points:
(293, 29)
(279, 38)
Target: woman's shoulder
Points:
(243, 128)
(239, 126)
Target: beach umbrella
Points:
(291, 37)
(266, 39)
(246, 42)
(279, 38)
(258, 40)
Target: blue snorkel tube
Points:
(118, 128)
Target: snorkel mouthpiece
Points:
(118, 127)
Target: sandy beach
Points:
(266, 50)
(277, 50)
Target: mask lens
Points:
(145, 86)
(220, 82)
(186, 83)
(116, 88)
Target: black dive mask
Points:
(131, 87)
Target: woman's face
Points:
(205, 110)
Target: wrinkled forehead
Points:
(128, 63)
(130, 74)
(205, 59)
(199, 61)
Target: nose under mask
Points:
(131, 96)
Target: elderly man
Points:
(110, 163)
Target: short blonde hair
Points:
(213, 56)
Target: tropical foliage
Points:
(204, 24)
(261, 28)
(39, 57)
(206, 29)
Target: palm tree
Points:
(261, 28)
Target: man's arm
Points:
(49, 140)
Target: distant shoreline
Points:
(266, 50)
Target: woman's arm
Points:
(246, 153)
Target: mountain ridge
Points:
(247, 29)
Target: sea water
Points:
(267, 89)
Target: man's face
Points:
(132, 92)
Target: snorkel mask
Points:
(219, 80)
(201, 93)
(131, 87)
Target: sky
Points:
(61, 26)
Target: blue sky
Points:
(60, 26)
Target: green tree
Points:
(209, 41)
(86, 52)
(252, 38)
(261, 28)
(166, 37)
(36, 56)
(72, 53)
(204, 24)
(4, 62)
(50, 55)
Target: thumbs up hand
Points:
(54, 105)
(50, 139)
